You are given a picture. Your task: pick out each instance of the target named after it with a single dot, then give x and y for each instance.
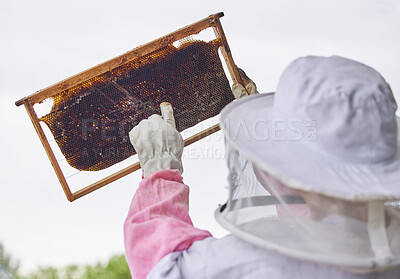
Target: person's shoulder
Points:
(232, 257)
(233, 254)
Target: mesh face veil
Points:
(357, 236)
(315, 167)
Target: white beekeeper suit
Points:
(314, 179)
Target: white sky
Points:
(43, 42)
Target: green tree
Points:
(115, 268)
(8, 269)
(45, 273)
(118, 268)
(72, 272)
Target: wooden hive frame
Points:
(192, 29)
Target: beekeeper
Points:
(314, 175)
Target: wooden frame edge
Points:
(49, 151)
(113, 63)
(134, 167)
(226, 51)
(211, 21)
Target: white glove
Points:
(157, 142)
(249, 86)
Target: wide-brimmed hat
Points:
(329, 133)
(330, 128)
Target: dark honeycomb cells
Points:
(91, 121)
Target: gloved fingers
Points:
(136, 138)
(157, 142)
(145, 129)
(239, 91)
(154, 117)
(251, 87)
(243, 76)
(168, 113)
(148, 126)
(133, 134)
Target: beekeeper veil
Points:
(314, 169)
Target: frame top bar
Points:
(113, 63)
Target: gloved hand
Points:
(249, 86)
(157, 142)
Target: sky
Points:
(43, 42)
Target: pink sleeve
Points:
(158, 222)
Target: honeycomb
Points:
(91, 121)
